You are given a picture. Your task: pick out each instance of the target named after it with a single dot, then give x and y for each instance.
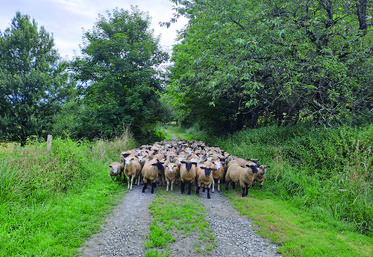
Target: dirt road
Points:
(128, 226)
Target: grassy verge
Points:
(177, 218)
(51, 202)
(296, 231)
(188, 134)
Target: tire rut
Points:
(126, 228)
(234, 234)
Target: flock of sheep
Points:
(191, 162)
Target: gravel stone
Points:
(234, 234)
(126, 228)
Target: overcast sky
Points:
(66, 19)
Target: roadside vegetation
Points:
(51, 202)
(317, 199)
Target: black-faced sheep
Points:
(187, 174)
(150, 173)
(247, 177)
(244, 176)
(204, 177)
(260, 176)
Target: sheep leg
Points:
(226, 185)
(182, 187)
(213, 186)
(168, 183)
(190, 188)
(172, 185)
(218, 185)
(243, 191)
(145, 186)
(208, 193)
(153, 186)
(133, 178)
(261, 186)
(197, 190)
(233, 185)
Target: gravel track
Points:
(126, 228)
(234, 234)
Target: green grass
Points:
(52, 202)
(297, 232)
(327, 171)
(182, 217)
(188, 134)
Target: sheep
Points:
(187, 174)
(171, 173)
(247, 177)
(204, 177)
(233, 175)
(132, 170)
(150, 172)
(217, 173)
(116, 170)
(244, 176)
(260, 176)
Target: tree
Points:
(118, 75)
(273, 61)
(33, 81)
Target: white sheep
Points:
(116, 169)
(132, 170)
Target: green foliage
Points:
(33, 80)
(326, 171)
(36, 186)
(250, 63)
(119, 82)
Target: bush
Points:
(326, 170)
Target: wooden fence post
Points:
(49, 143)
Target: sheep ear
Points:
(110, 166)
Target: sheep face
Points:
(159, 165)
(128, 160)
(188, 165)
(217, 165)
(114, 170)
(263, 168)
(253, 167)
(207, 171)
(170, 167)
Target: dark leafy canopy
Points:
(118, 74)
(242, 62)
(33, 84)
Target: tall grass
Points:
(326, 171)
(51, 202)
